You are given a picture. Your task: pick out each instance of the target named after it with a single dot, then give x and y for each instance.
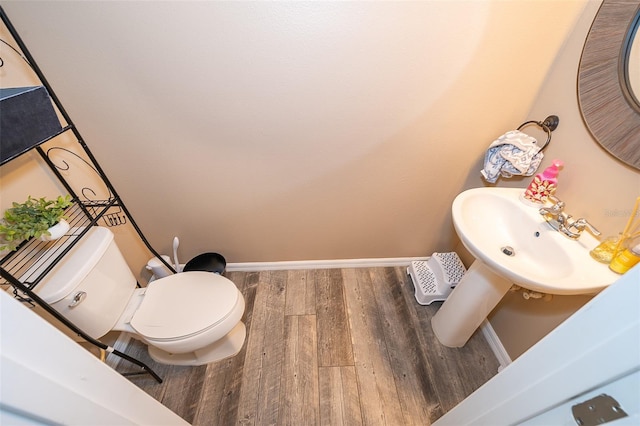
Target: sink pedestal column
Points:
(478, 292)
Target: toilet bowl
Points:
(182, 315)
(191, 318)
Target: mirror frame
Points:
(608, 111)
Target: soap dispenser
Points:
(543, 184)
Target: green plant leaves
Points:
(31, 219)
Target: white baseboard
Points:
(495, 344)
(322, 264)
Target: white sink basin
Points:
(488, 220)
(512, 244)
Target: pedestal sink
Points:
(512, 244)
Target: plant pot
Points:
(56, 231)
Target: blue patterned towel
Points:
(512, 154)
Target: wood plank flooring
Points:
(326, 347)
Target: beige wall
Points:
(320, 130)
(294, 130)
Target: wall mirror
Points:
(608, 83)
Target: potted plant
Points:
(38, 218)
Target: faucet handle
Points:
(582, 223)
(555, 209)
(556, 202)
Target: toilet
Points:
(190, 318)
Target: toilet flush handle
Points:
(77, 298)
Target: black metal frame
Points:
(84, 213)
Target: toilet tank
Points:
(96, 267)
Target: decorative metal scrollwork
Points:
(92, 200)
(17, 52)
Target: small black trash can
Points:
(209, 262)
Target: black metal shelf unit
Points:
(24, 268)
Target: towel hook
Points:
(548, 125)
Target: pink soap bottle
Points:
(543, 184)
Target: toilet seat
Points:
(184, 305)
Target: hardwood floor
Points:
(326, 347)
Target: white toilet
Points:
(191, 318)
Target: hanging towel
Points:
(513, 154)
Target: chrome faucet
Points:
(564, 223)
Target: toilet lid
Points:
(184, 304)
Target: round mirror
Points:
(631, 63)
(608, 89)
